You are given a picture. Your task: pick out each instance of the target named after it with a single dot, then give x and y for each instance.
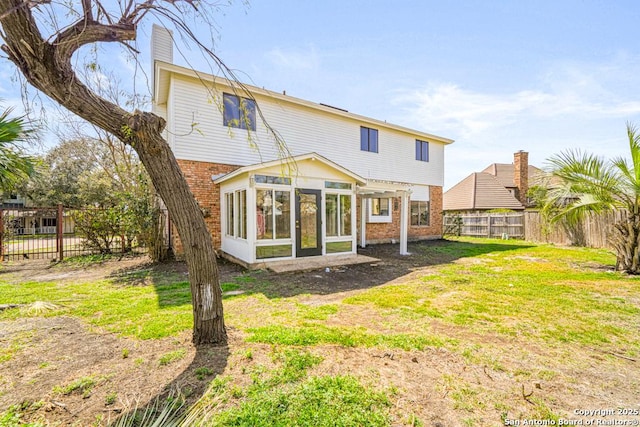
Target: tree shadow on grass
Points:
(172, 287)
(391, 266)
(190, 385)
(171, 279)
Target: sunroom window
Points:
(273, 214)
(338, 215)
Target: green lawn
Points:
(561, 304)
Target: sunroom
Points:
(286, 210)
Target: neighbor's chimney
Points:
(521, 175)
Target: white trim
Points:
(290, 164)
(371, 218)
(404, 224)
(363, 223)
(162, 68)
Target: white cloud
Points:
(298, 59)
(574, 106)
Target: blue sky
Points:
(496, 76)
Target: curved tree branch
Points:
(86, 32)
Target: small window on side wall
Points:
(368, 139)
(379, 210)
(420, 213)
(422, 150)
(239, 112)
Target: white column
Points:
(363, 222)
(404, 223)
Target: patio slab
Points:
(315, 263)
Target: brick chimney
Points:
(521, 175)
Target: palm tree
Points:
(584, 184)
(14, 166)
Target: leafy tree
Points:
(584, 184)
(41, 38)
(14, 165)
(86, 172)
(538, 195)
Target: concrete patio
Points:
(315, 263)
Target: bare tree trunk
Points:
(169, 182)
(47, 66)
(626, 244)
(157, 246)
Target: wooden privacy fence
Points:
(499, 225)
(592, 231)
(57, 232)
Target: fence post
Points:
(1, 234)
(60, 232)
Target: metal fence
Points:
(496, 225)
(53, 233)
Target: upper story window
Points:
(239, 112)
(368, 139)
(422, 150)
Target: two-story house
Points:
(344, 180)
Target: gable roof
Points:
(504, 173)
(164, 70)
(480, 190)
(289, 164)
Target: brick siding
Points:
(390, 231)
(207, 194)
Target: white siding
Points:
(161, 44)
(198, 134)
(420, 192)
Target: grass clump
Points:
(172, 356)
(294, 365)
(82, 386)
(203, 372)
(110, 398)
(15, 345)
(324, 401)
(13, 415)
(286, 396)
(313, 334)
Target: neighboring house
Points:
(347, 180)
(13, 201)
(499, 186)
(35, 221)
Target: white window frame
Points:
(339, 194)
(235, 220)
(379, 218)
(285, 189)
(411, 213)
